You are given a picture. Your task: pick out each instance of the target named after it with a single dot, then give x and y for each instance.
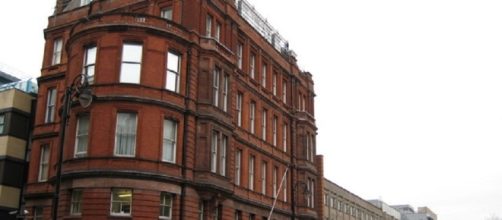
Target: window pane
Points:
(169, 142)
(125, 134)
(2, 123)
(82, 137)
(132, 53)
(172, 81)
(130, 73)
(173, 62)
(57, 50)
(166, 200)
(167, 13)
(76, 200)
(90, 55)
(121, 201)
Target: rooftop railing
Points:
(28, 86)
(261, 25)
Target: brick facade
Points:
(215, 100)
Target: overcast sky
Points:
(409, 93)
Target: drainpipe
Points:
(186, 117)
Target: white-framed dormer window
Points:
(89, 63)
(169, 141)
(167, 13)
(43, 168)
(121, 202)
(57, 51)
(166, 205)
(173, 72)
(51, 105)
(130, 70)
(82, 135)
(125, 134)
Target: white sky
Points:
(409, 95)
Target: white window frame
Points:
(121, 203)
(43, 168)
(173, 70)
(57, 51)
(51, 105)
(76, 202)
(81, 134)
(209, 25)
(137, 61)
(217, 34)
(264, 125)
(89, 67)
(38, 213)
(225, 92)
(238, 166)
(166, 202)
(252, 116)
(239, 109)
(252, 65)
(169, 141)
(239, 55)
(132, 130)
(251, 172)
(216, 86)
(274, 84)
(284, 91)
(264, 76)
(223, 155)
(214, 151)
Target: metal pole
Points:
(62, 131)
(277, 193)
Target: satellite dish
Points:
(85, 97)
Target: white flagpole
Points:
(277, 193)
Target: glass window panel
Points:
(132, 53)
(125, 134)
(173, 62)
(82, 137)
(169, 141)
(76, 201)
(167, 13)
(130, 73)
(121, 202)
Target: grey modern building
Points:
(408, 213)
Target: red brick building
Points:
(199, 111)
